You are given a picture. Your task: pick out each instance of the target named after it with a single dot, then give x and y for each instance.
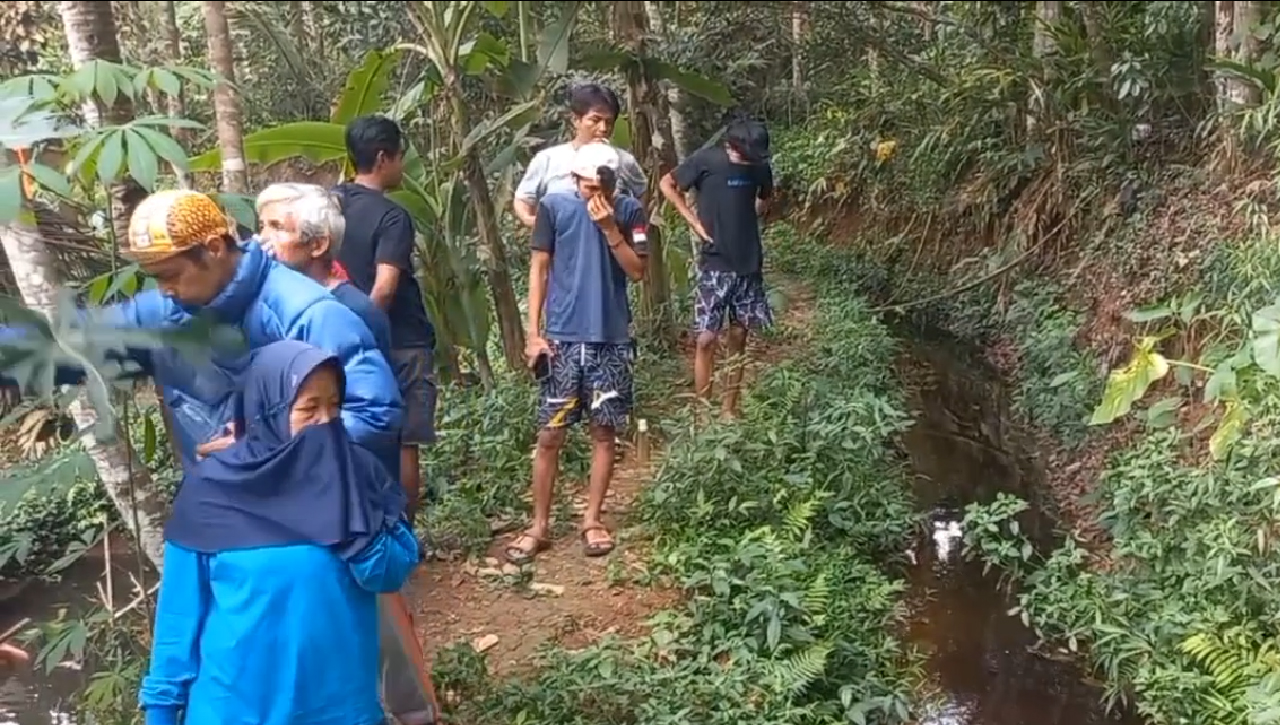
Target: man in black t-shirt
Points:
(734, 183)
(378, 257)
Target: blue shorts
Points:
(740, 297)
(588, 379)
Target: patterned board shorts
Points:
(588, 379)
(739, 296)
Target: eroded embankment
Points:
(1165, 577)
(985, 666)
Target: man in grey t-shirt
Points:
(593, 109)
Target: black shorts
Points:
(415, 371)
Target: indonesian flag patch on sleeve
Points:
(638, 235)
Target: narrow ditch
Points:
(985, 666)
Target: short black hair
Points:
(588, 97)
(750, 138)
(369, 135)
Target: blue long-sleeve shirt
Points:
(267, 302)
(273, 636)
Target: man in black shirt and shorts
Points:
(734, 183)
(378, 256)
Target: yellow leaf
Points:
(1127, 385)
(1229, 430)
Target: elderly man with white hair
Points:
(302, 226)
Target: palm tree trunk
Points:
(226, 101)
(124, 477)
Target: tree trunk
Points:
(642, 104)
(1099, 48)
(1223, 46)
(91, 35)
(1048, 14)
(505, 306)
(124, 477)
(297, 26)
(1246, 16)
(680, 136)
(311, 25)
(226, 99)
(799, 28)
(175, 105)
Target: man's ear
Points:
(218, 245)
(320, 247)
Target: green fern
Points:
(795, 673)
(797, 520)
(1235, 662)
(817, 598)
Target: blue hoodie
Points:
(272, 636)
(268, 302)
(276, 551)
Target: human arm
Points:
(388, 561)
(393, 256)
(543, 247)
(148, 309)
(529, 191)
(675, 184)
(175, 651)
(629, 218)
(764, 190)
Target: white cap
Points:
(590, 157)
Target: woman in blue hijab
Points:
(274, 555)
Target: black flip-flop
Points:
(520, 556)
(599, 548)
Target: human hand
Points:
(601, 210)
(217, 443)
(535, 346)
(701, 232)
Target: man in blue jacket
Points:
(182, 239)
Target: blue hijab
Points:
(273, 489)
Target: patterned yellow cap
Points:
(171, 222)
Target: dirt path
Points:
(566, 598)
(563, 597)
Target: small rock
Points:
(497, 527)
(489, 572)
(491, 561)
(510, 569)
(481, 644)
(546, 588)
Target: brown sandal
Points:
(598, 548)
(521, 555)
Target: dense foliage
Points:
(778, 529)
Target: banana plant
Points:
(453, 289)
(449, 281)
(452, 39)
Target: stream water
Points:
(981, 659)
(32, 696)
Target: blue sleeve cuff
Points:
(162, 715)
